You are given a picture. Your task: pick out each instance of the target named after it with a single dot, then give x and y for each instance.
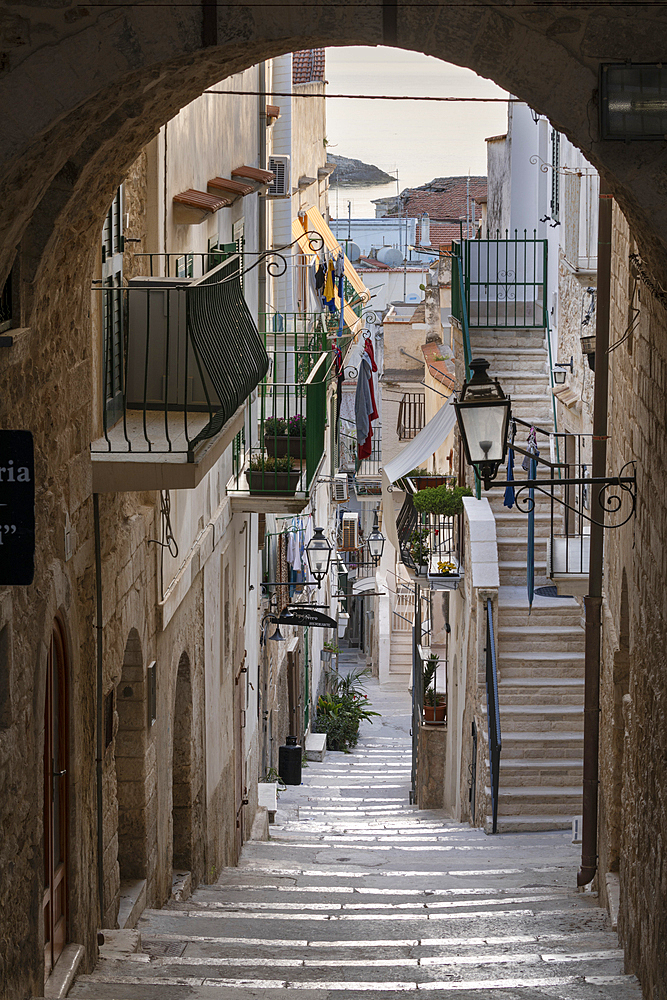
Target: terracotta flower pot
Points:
(435, 713)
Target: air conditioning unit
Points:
(280, 185)
(339, 488)
(349, 532)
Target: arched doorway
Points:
(182, 797)
(131, 741)
(56, 762)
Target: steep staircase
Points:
(541, 654)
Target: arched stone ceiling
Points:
(83, 88)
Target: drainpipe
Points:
(593, 601)
(98, 630)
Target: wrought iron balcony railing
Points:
(287, 425)
(431, 544)
(180, 356)
(504, 281)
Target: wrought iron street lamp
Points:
(483, 413)
(376, 540)
(318, 553)
(558, 372)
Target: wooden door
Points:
(55, 801)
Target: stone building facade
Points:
(76, 113)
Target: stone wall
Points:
(633, 743)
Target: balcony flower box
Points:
(285, 438)
(272, 475)
(284, 446)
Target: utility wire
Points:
(369, 97)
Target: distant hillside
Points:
(355, 173)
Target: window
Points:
(411, 415)
(185, 266)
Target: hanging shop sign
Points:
(306, 616)
(17, 508)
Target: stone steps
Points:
(516, 638)
(528, 800)
(563, 771)
(537, 746)
(542, 718)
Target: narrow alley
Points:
(357, 891)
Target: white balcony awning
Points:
(429, 439)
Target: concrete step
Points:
(545, 719)
(565, 772)
(530, 824)
(532, 746)
(562, 638)
(541, 664)
(527, 800)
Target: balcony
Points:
(504, 282)
(431, 545)
(180, 357)
(274, 471)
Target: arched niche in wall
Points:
(131, 748)
(182, 760)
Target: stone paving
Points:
(358, 892)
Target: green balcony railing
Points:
(287, 432)
(504, 282)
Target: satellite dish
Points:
(352, 251)
(390, 256)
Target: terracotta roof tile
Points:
(442, 233)
(255, 174)
(438, 367)
(445, 198)
(233, 188)
(202, 200)
(308, 66)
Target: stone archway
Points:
(86, 89)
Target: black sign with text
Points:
(306, 616)
(17, 508)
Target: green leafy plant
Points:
(429, 668)
(272, 776)
(331, 647)
(340, 713)
(419, 547)
(269, 463)
(446, 500)
(274, 426)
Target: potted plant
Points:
(329, 650)
(268, 474)
(285, 438)
(423, 479)
(435, 705)
(419, 548)
(447, 500)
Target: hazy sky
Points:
(422, 139)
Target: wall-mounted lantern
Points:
(483, 413)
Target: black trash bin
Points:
(289, 762)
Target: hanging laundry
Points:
(340, 265)
(329, 293)
(341, 305)
(365, 408)
(508, 500)
(320, 276)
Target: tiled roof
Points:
(442, 233)
(441, 370)
(443, 198)
(308, 66)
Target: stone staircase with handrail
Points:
(540, 654)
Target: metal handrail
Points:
(493, 713)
